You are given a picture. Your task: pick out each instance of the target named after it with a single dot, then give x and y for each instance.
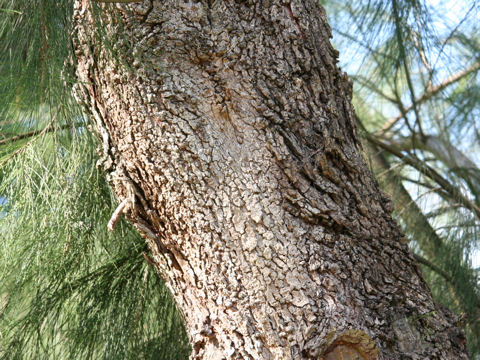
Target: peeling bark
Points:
(232, 127)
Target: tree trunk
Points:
(229, 135)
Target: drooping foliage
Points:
(415, 66)
(70, 289)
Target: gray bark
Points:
(231, 127)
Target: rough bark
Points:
(231, 126)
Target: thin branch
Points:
(390, 169)
(117, 214)
(448, 154)
(37, 132)
(429, 93)
(432, 190)
(15, 153)
(452, 33)
(442, 210)
(370, 86)
(363, 44)
(421, 53)
(11, 11)
(427, 171)
(400, 105)
(444, 274)
(403, 54)
(458, 226)
(405, 206)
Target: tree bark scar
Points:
(295, 19)
(352, 345)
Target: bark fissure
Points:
(236, 126)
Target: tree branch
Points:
(427, 171)
(403, 53)
(407, 209)
(429, 93)
(47, 129)
(448, 154)
(16, 152)
(430, 243)
(444, 274)
(370, 86)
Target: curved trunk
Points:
(229, 133)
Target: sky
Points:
(445, 16)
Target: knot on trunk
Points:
(351, 345)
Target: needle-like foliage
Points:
(68, 288)
(415, 66)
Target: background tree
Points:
(415, 69)
(36, 182)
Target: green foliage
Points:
(34, 38)
(415, 66)
(68, 288)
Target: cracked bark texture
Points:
(234, 125)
